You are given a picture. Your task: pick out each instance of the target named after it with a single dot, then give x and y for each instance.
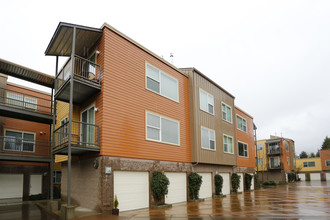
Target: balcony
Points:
(274, 151)
(24, 149)
(275, 166)
(86, 77)
(23, 106)
(84, 138)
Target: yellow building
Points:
(308, 164)
(261, 155)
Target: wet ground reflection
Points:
(23, 212)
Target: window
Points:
(226, 113)
(288, 160)
(241, 123)
(64, 129)
(327, 163)
(228, 144)
(287, 147)
(260, 161)
(57, 177)
(162, 129)
(259, 146)
(274, 162)
(162, 83)
(309, 164)
(21, 101)
(208, 139)
(206, 102)
(19, 141)
(242, 149)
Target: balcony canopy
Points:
(272, 141)
(21, 72)
(61, 42)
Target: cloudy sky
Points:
(273, 56)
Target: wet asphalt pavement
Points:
(304, 200)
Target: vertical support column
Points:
(53, 136)
(70, 115)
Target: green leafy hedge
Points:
(195, 182)
(159, 186)
(291, 177)
(269, 183)
(248, 181)
(218, 182)
(235, 181)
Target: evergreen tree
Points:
(303, 154)
(312, 155)
(326, 144)
(317, 153)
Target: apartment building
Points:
(122, 112)
(245, 144)
(213, 134)
(276, 158)
(25, 119)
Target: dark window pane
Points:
(152, 85)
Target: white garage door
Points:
(252, 181)
(315, 176)
(13, 185)
(35, 184)
(241, 183)
(302, 176)
(327, 176)
(206, 187)
(177, 190)
(226, 183)
(132, 189)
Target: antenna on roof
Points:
(171, 56)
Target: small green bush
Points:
(269, 183)
(291, 177)
(159, 186)
(195, 182)
(248, 181)
(235, 181)
(218, 182)
(115, 203)
(37, 197)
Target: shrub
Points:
(57, 192)
(248, 181)
(115, 203)
(37, 197)
(218, 182)
(159, 186)
(269, 183)
(235, 181)
(291, 177)
(195, 182)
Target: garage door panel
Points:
(13, 183)
(241, 183)
(315, 176)
(226, 183)
(206, 187)
(327, 176)
(252, 181)
(132, 189)
(302, 176)
(35, 184)
(177, 190)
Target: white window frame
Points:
(209, 130)
(22, 100)
(243, 120)
(208, 96)
(326, 161)
(55, 174)
(288, 161)
(232, 147)
(308, 163)
(258, 147)
(260, 159)
(244, 150)
(80, 139)
(160, 82)
(287, 147)
(278, 160)
(231, 113)
(21, 147)
(160, 128)
(67, 126)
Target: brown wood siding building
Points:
(200, 118)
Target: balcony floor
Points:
(75, 149)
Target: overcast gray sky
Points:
(273, 56)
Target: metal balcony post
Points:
(70, 116)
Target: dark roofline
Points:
(210, 80)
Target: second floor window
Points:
(327, 163)
(287, 147)
(162, 83)
(259, 146)
(19, 141)
(228, 144)
(309, 164)
(226, 113)
(162, 129)
(206, 102)
(260, 161)
(64, 129)
(57, 177)
(208, 139)
(288, 160)
(241, 123)
(242, 149)
(19, 100)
